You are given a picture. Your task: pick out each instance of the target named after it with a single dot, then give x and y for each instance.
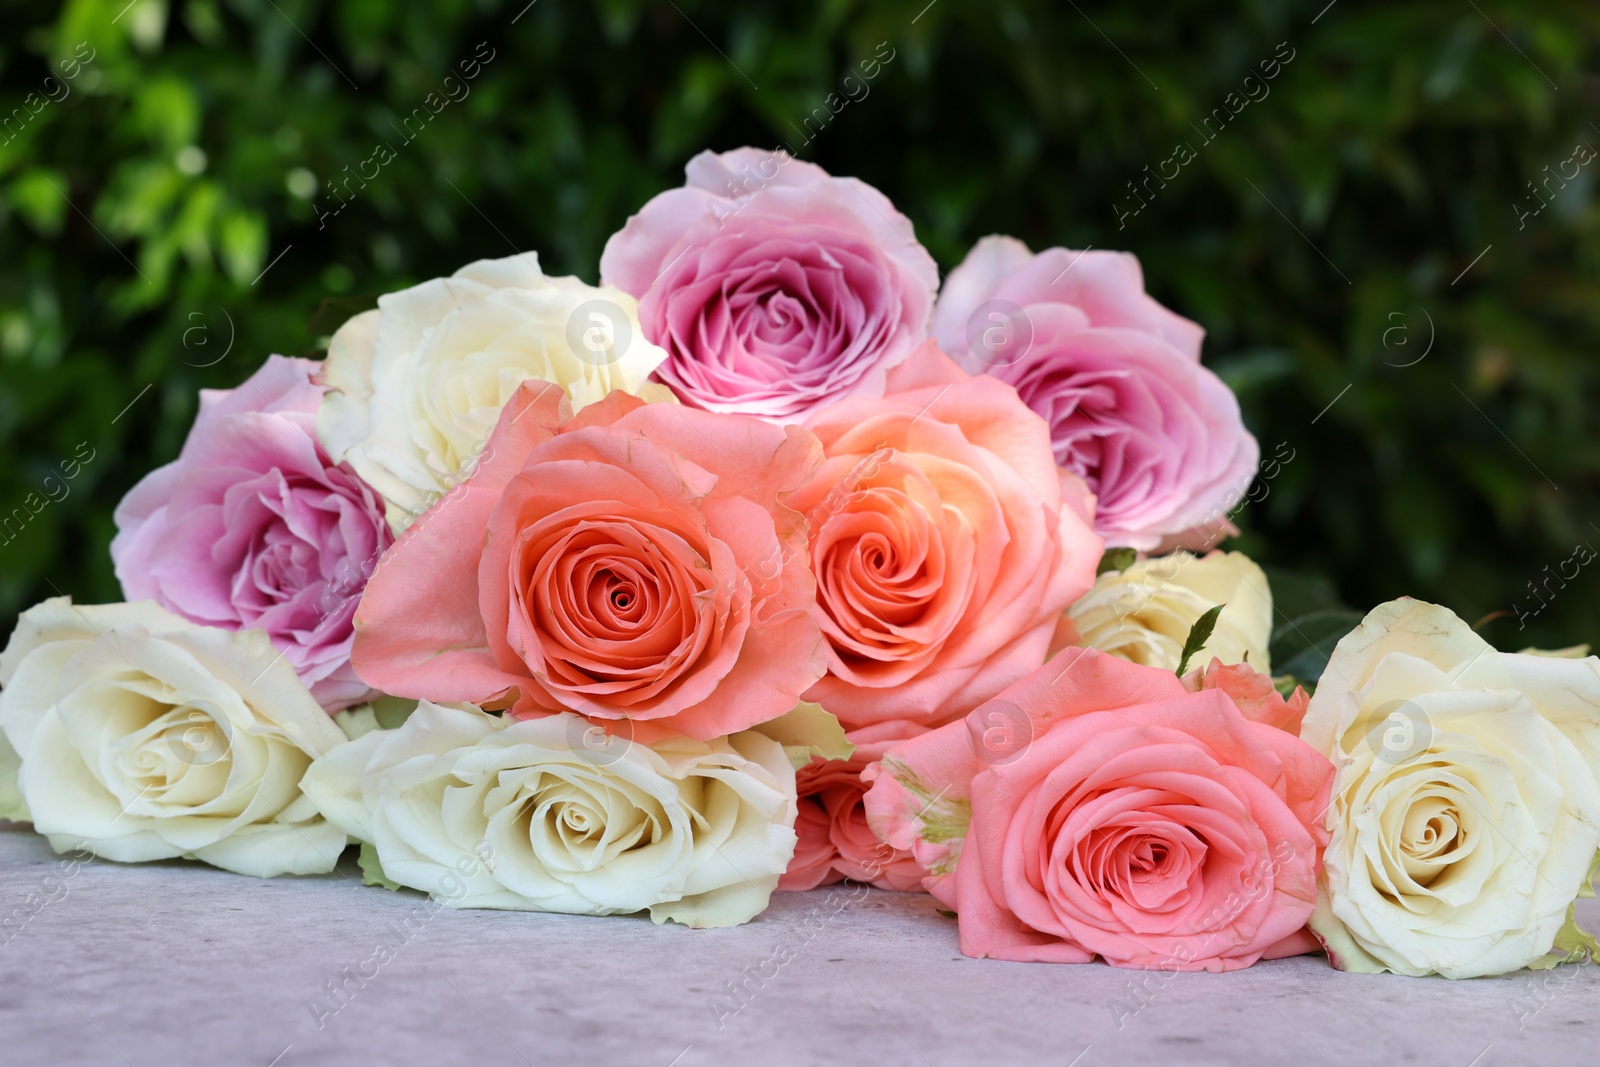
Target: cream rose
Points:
(565, 819)
(1144, 613)
(11, 803)
(416, 385)
(1466, 811)
(142, 736)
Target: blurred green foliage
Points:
(169, 199)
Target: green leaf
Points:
(372, 870)
(335, 311)
(166, 110)
(807, 731)
(1296, 593)
(1116, 559)
(40, 197)
(244, 245)
(1199, 634)
(1301, 646)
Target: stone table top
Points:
(177, 963)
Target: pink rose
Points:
(945, 543)
(835, 841)
(1098, 808)
(1117, 376)
(773, 287)
(633, 562)
(254, 527)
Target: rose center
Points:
(181, 756)
(578, 820)
(1432, 836)
(774, 316)
(576, 825)
(1147, 857)
(878, 555)
(1137, 858)
(881, 565)
(614, 602)
(623, 594)
(279, 570)
(1087, 424)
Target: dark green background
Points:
(1395, 142)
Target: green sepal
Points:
(1286, 684)
(384, 713)
(372, 869)
(1116, 559)
(1199, 634)
(945, 819)
(1573, 944)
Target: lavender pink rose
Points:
(1158, 437)
(254, 527)
(774, 288)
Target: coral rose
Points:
(835, 841)
(945, 543)
(617, 563)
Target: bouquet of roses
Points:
(772, 562)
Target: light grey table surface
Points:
(177, 963)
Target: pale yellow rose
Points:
(1465, 810)
(1144, 613)
(142, 736)
(564, 818)
(416, 385)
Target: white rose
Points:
(696, 832)
(1144, 613)
(11, 804)
(1466, 810)
(143, 736)
(416, 385)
